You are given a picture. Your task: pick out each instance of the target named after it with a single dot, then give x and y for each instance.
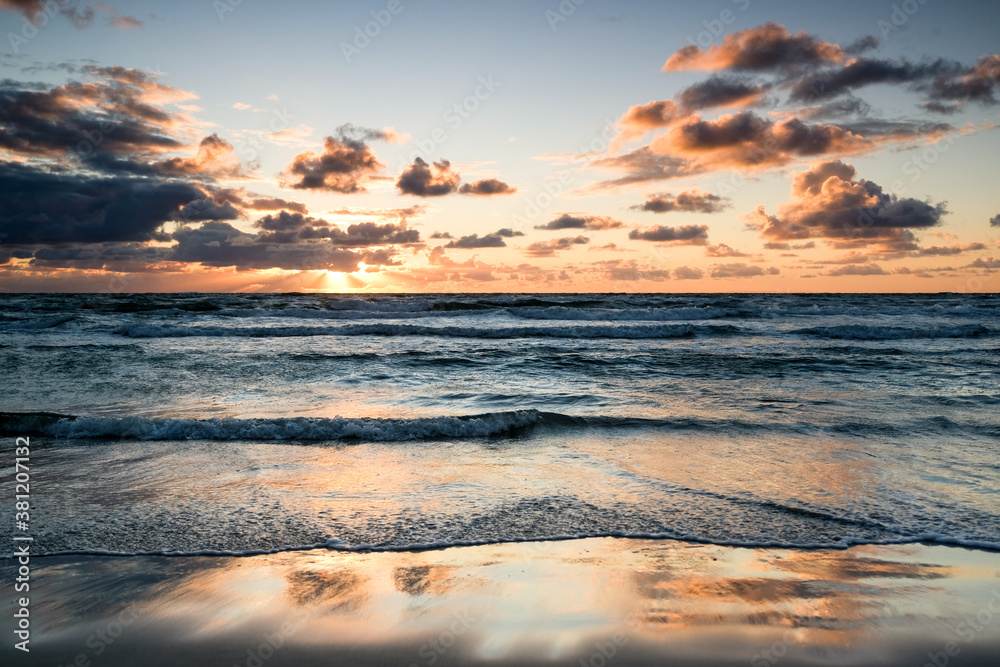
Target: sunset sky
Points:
(410, 145)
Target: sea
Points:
(257, 423)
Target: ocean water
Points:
(238, 423)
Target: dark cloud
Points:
(857, 270)
(742, 271)
(862, 45)
(441, 235)
(718, 91)
(550, 248)
(947, 251)
(487, 187)
(683, 235)
(220, 244)
(995, 220)
(643, 165)
(978, 83)
(492, 240)
(107, 116)
(862, 72)
(285, 227)
(787, 246)
(591, 222)
(829, 203)
(691, 201)
(688, 273)
(81, 17)
(346, 163)
(418, 179)
(767, 47)
(52, 207)
(991, 263)
(207, 209)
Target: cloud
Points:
(491, 240)
(215, 158)
(723, 250)
(684, 235)
(116, 114)
(857, 270)
(285, 227)
(591, 222)
(868, 71)
(742, 271)
(441, 235)
(995, 220)
(719, 91)
(947, 251)
(119, 21)
(691, 201)
(81, 18)
(767, 47)
(551, 248)
(688, 273)
(487, 187)
(346, 163)
(991, 263)
(829, 203)
(56, 207)
(419, 180)
(786, 246)
(220, 244)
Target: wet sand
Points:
(590, 602)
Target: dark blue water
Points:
(239, 422)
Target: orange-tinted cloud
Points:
(683, 235)
(766, 47)
(828, 202)
(487, 187)
(345, 165)
(553, 247)
(691, 201)
(591, 222)
(420, 180)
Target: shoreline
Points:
(589, 601)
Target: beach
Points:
(503, 479)
(592, 602)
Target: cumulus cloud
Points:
(767, 47)
(285, 227)
(215, 158)
(491, 240)
(683, 235)
(857, 270)
(591, 222)
(118, 113)
(219, 244)
(692, 201)
(829, 202)
(81, 17)
(740, 270)
(688, 273)
(487, 187)
(344, 166)
(723, 91)
(58, 207)
(995, 220)
(420, 180)
(723, 250)
(553, 247)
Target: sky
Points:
(546, 146)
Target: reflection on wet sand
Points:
(597, 601)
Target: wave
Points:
(630, 315)
(32, 325)
(863, 332)
(294, 428)
(437, 545)
(488, 424)
(138, 330)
